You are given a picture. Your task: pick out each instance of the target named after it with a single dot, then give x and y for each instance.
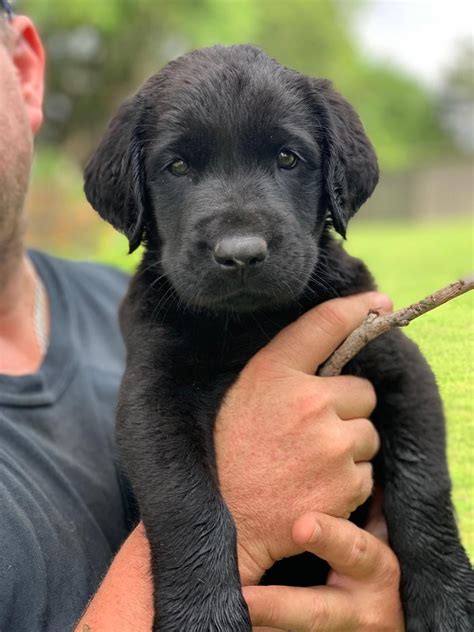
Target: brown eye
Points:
(287, 159)
(178, 168)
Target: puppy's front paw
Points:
(440, 602)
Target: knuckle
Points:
(366, 484)
(339, 443)
(259, 362)
(369, 396)
(359, 549)
(264, 364)
(368, 478)
(371, 430)
(346, 444)
(306, 403)
(369, 387)
(311, 400)
(322, 400)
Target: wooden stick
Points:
(374, 325)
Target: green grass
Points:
(410, 261)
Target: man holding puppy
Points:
(64, 509)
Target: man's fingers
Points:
(352, 396)
(376, 524)
(365, 439)
(304, 609)
(309, 341)
(347, 549)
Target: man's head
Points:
(230, 164)
(21, 95)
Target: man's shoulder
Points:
(96, 272)
(90, 278)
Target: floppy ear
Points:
(114, 178)
(350, 164)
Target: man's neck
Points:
(20, 352)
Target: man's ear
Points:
(350, 164)
(28, 57)
(114, 181)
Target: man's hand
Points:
(288, 442)
(362, 592)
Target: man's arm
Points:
(124, 600)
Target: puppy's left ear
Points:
(350, 164)
(113, 177)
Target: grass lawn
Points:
(409, 262)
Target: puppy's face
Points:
(233, 162)
(234, 183)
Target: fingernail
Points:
(384, 302)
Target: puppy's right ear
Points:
(114, 178)
(350, 164)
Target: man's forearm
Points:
(124, 599)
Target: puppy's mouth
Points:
(242, 301)
(257, 293)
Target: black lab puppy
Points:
(231, 169)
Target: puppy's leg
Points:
(437, 578)
(169, 459)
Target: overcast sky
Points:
(419, 35)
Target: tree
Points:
(101, 51)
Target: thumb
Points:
(310, 340)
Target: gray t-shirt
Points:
(63, 507)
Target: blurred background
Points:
(406, 66)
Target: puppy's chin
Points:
(241, 302)
(244, 300)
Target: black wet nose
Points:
(240, 252)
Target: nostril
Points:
(239, 252)
(228, 263)
(257, 259)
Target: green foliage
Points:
(399, 116)
(101, 51)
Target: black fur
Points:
(191, 324)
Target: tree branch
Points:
(374, 325)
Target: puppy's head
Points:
(232, 163)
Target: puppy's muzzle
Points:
(240, 252)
